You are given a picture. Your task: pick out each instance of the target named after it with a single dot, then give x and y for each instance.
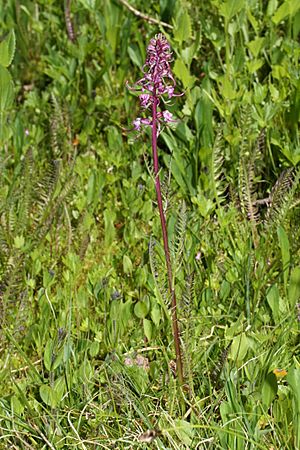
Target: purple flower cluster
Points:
(157, 83)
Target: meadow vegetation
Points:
(87, 357)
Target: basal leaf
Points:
(231, 7)
(256, 45)
(141, 309)
(239, 347)
(288, 8)
(7, 49)
(273, 301)
(48, 354)
(135, 55)
(183, 27)
(293, 379)
(6, 90)
(183, 73)
(269, 389)
(184, 431)
(147, 324)
(127, 265)
(294, 287)
(285, 252)
(109, 216)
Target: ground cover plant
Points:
(87, 355)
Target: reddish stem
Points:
(176, 337)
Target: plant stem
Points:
(176, 337)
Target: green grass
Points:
(86, 349)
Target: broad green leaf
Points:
(182, 72)
(273, 301)
(141, 309)
(279, 72)
(296, 24)
(225, 410)
(254, 65)
(167, 9)
(6, 90)
(138, 377)
(272, 6)
(88, 4)
(231, 7)
(269, 389)
(183, 27)
(235, 328)
(184, 431)
(94, 349)
(176, 172)
(59, 389)
(203, 117)
(46, 394)
(115, 310)
(53, 395)
(292, 154)
(147, 324)
(58, 359)
(91, 188)
(156, 314)
(285, 253)
(5, 131)
(205, 205)
(135, 56)
(7, 49)
(85, 371)
(170, 141)
(109, 218)
(227, 89)
(111, 15)
(294, 287)
(188, 53)
(127, 265)
(126, 312)
(293, 379)
(255, 46)
(239, 347)
(48, 354)
(19, 242)
(288, 8)
(16, 406)
(252, 19)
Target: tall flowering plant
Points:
(156, 88)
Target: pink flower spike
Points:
(157, 84)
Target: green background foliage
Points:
(86, 357)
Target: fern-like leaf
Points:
(60, 130)
(179, 240)
(282, 196)
(158, 272)
(248, 158)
